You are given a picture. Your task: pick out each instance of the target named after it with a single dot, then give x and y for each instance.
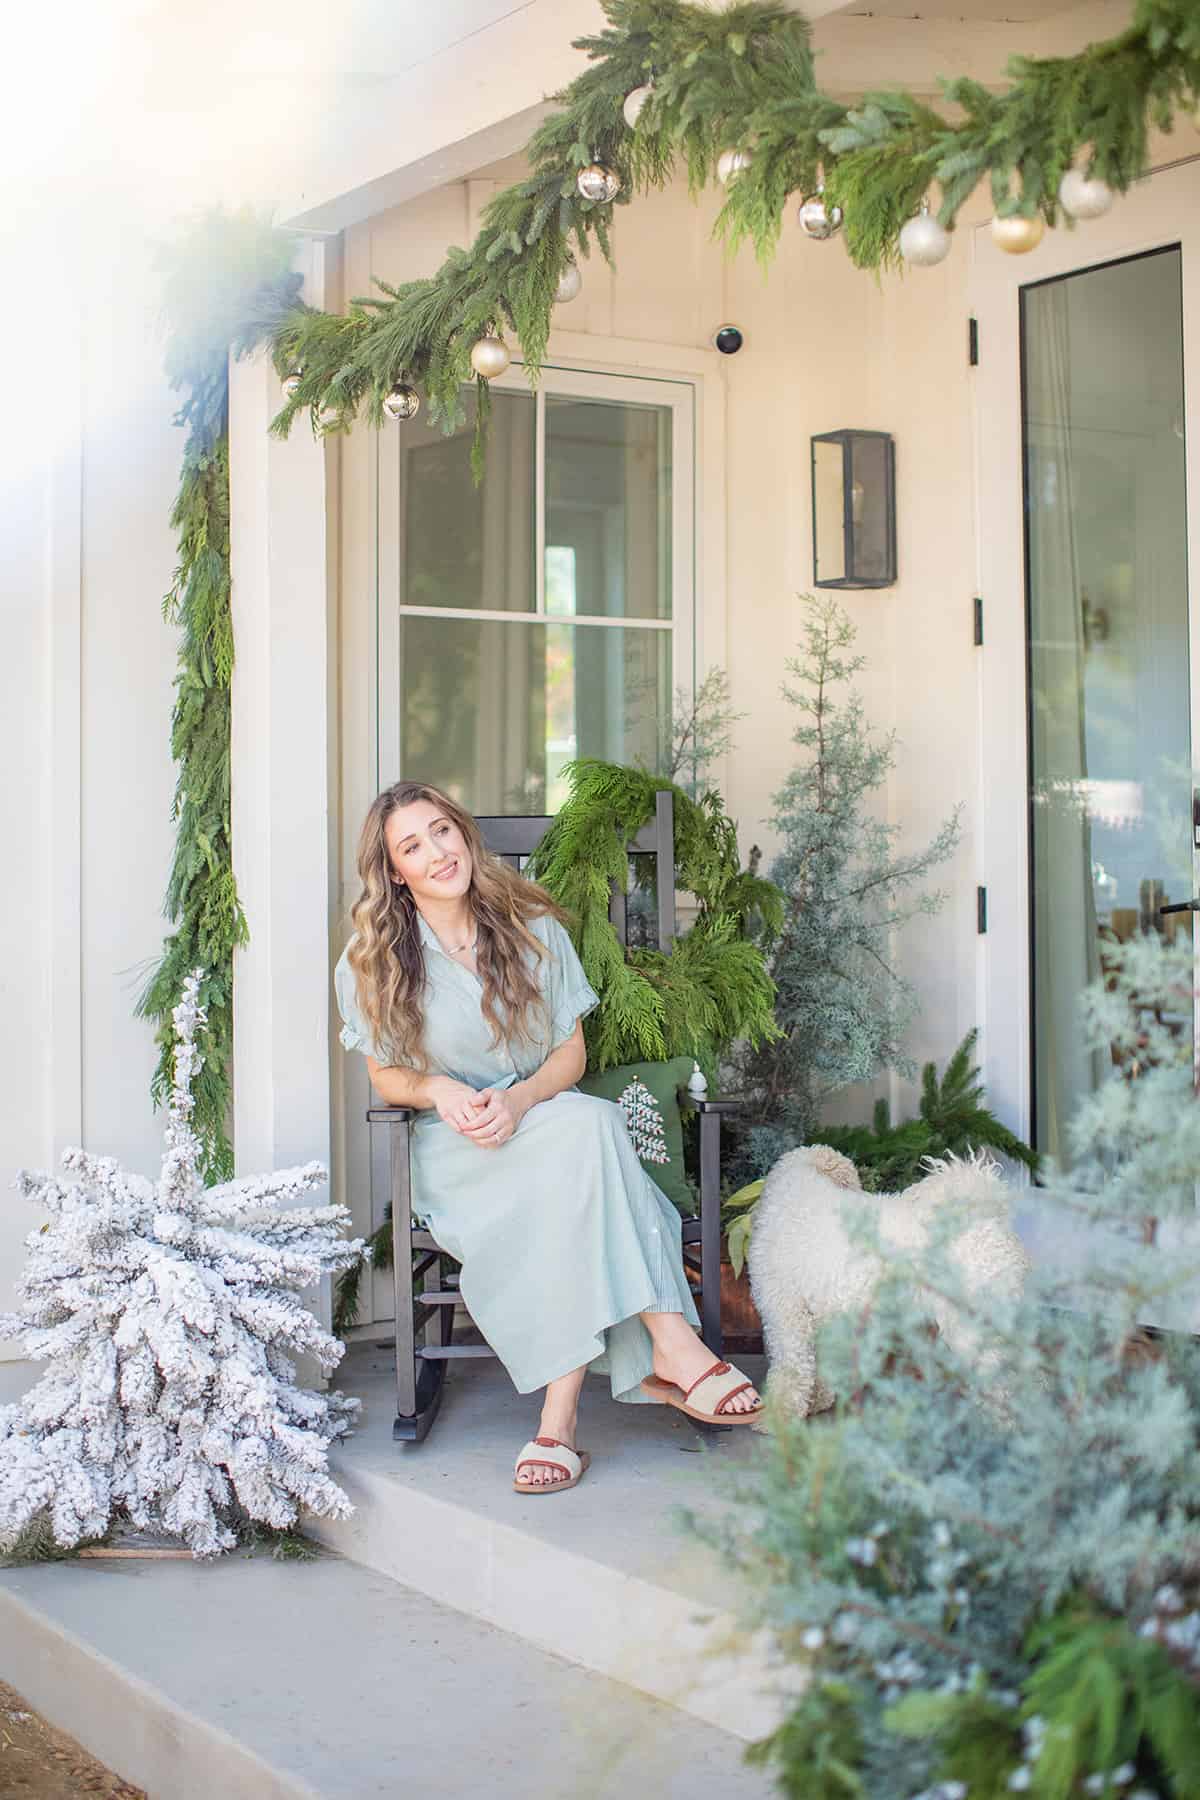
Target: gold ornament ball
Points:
(1084, 198)
(818, 221)
(489, 357)
(403, 402)
(598, 184)
(634, 102)
(1018, 234)
(731, 163)
(569, 283)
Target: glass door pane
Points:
(464, 544)
(531, 620)
(1109, 670)
(493, 711)
(608, 508)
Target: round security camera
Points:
(728, 339)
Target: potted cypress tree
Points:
(841, 1007)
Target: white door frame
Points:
(1159, 212)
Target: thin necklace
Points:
(458, 949)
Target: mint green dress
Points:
(562, 1236)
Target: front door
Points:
(1089, 686)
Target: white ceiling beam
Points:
(398, 137)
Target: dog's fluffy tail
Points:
(974, 1181)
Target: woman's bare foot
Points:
(560, 1411)
(681, 1357)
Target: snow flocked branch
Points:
(169, 1315)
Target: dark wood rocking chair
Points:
(421, 1367)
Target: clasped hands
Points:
(488, 1116)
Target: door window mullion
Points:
(539, 501)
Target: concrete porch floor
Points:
(601, 1575)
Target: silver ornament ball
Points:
(490, 357)
(403, 402)
(1018, 234)
(1084, 197)
(731, 163)
(598, 184)
(291, 381)
(923, 241)
(634, 102)
(818, 221)
(569, 283)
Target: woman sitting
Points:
(464, 990)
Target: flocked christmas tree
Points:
(842, 1007)
(993, 1581)
(169, 1315)
(645, 1122)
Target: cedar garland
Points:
(224, 271)
(744, 77)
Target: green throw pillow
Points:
(648, 1094)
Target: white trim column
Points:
(280, 771)
(64, 772)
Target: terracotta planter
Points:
(741, 1326)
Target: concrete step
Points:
(601, 1575)
(257, 1680)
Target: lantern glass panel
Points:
(829, 536)
(868, 473)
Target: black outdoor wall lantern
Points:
(854, 509)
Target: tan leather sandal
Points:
(554, 1455)
(708, 1396)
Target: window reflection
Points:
(493, 712)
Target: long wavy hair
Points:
(386, 953)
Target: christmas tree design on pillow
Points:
(645, 1122)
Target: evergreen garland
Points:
(713, 985)
(218, 278)
(742, 77)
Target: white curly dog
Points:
(805, 1269)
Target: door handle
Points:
(1181, 906)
